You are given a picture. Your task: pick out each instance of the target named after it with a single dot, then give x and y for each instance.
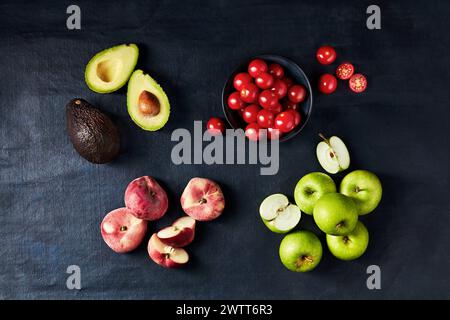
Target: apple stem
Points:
(324, 138)
(123, 228)
(202, 201)
(340, 225)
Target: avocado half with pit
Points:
(147, 102)
(110, 69)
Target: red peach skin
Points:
(202, 199)
(146, 199)
(122, 231)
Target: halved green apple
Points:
(332, 154)
(278, 214)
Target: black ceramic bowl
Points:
(292, 70)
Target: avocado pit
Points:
(148, 103)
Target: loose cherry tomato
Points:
(257, 66)
(264, 80)
(358, 83)
(326, 55)
(297, 116)
(249, 93)
(345, 71)
(235, 102)
(297, 93)
(288, 104)
(280, 88)
(250, 113)
(277, 108)
(240, 80)
(285, 121)
(327, 83)
(289, 82)
(215, 126)
(276, 70)
(252, 131)
(268, 99)
(265, 118)
(274, 134)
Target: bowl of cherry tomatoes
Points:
(268, 92)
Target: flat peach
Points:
(122, 231)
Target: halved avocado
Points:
(110, 69)
(147, 102)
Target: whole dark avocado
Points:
(94, 136)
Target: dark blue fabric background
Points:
(52, 201)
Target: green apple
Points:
(364, 188)
(351, 246)
(332, 154)
(310, 188)
(335, 214)
(278, 214)
(300, 251)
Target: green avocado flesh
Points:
(110, 69)
(152, 118)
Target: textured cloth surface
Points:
(52, 201)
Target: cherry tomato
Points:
(288, 104)
(215, 126)
(285, 121)
(327, 83)
(280, 88)
(265, 118)
(250, 113)
(297, 116)
(268, 99)
(235, 102)
(240, 80)
(277, 108)
(297, 93)
(264, 80)
(249, 93)
(345, 71)
(257, 66)
(289, 82)
(252, 131)
(326, 55)
(274, 134)
(276, 70)
(358, 83)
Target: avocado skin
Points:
(93, 135)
